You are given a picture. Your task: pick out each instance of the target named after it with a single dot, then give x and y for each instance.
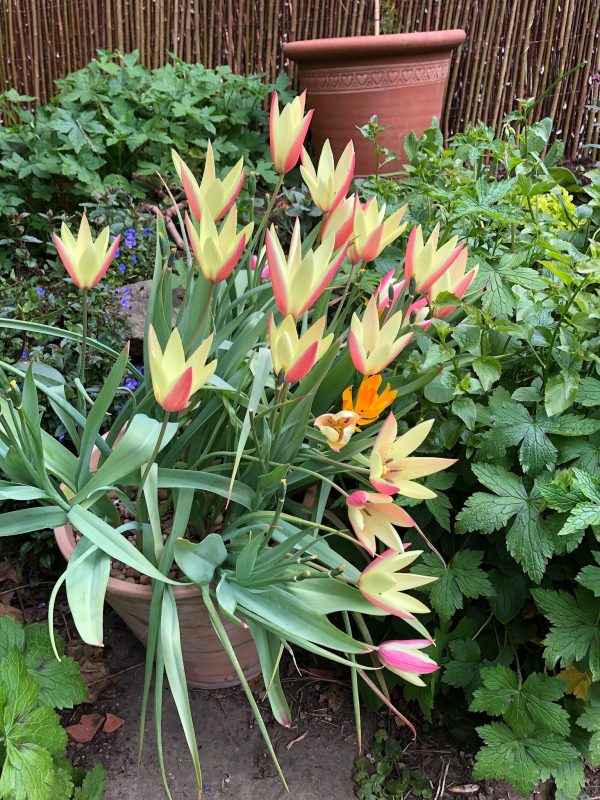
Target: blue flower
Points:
(134, 258)
(125, 302)
(122, 268)
(117, 252)
(40, 291)
(131, 384)
(24, 355)
(147, 230)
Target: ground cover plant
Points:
(32, 742)
(517, 392)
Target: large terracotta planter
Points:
(206, 663)
(401, 78)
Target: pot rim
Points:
(306, 51)
(65, 539)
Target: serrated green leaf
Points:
(575, 627)
(12, 635)
(463, 669)
(560, 393)
(488, 370)
(514, 425)
(589, 577)
(93, 785)
(462, 577)
(588, 393)
(569, 779)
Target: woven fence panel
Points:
(513, 49)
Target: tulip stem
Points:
(261, 228)
(149, 465)
(344, 296)
(84, 335)
(199, 331)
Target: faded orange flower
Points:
(368, 404)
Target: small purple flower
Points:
(61, 437)
(24, 355)
(131, 384)
(125, 302)
(139, 368)
(117, 252)
(40, 291)
(130, 237)
(134, 258)
(122, 268)
(147, 231)
(119, 409)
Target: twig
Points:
(114, 674)
(169, 224)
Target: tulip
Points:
(424, 264)
(254, 262)
(217, 252)
(175, 378)
(388, 292)
(298, 281)
(391, 468)
(372, 232)
(455, 281)
(214, 195)
(295, 356)
(368, 404)
(329, 183)
(287, 132)
(384, 584)
(85, 259)
(404, 658)
(337, 428)
(374, 346)
(373, 516)
(340, 221)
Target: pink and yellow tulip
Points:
(287, 132)
(374, 345)
(454, 280)
(373, 516)
(213, 194)
(388, 292)
(329, 183)
(337, 428)
(373, 232)
(425, 263)
(393, 471)
(298, 281)
(85, 259)
(340, 221)
(174, 378)
(294, 356)
(404, 658)
(384, 583)
(217, 251)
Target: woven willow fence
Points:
(513, 49)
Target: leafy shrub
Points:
(32, 742)
(517, 392)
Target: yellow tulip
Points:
(337, 428)
(85, 259)
(294, 356)
(213, 194)
(425, 263)
(385, 583)
(340, 222)
(329, 183)
(391, 468)
(373, 516)
(374, 345)
(454, 280)
(287, 132)
(299, 280)
(175, 378)
(373, 232)
(217, 251)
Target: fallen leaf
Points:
(94, 670)
(113, 723)
(468, 788)
(10, 571)
(7, 610)
(335, 696)
(87, 727)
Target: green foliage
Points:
(32, 684)
(517, 399)
(380, 773)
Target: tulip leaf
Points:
(262, 369)
(329, 596)
(270, 648)
(86, 587)
(134, 449)
(27, 520)
(205, 481)
(199, 561)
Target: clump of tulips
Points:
(273, 381)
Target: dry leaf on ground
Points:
(87, 727)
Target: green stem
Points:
(84, 336)
(140, 491)
(344, 296)
(199, 330)
(567, 305)
(261, 228)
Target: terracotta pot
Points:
(399, 77)
(206, 663)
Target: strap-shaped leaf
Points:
(86, 581)
(97, 414)
(27, 520)
(134, 449)
(199, 561)
(270, 648)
